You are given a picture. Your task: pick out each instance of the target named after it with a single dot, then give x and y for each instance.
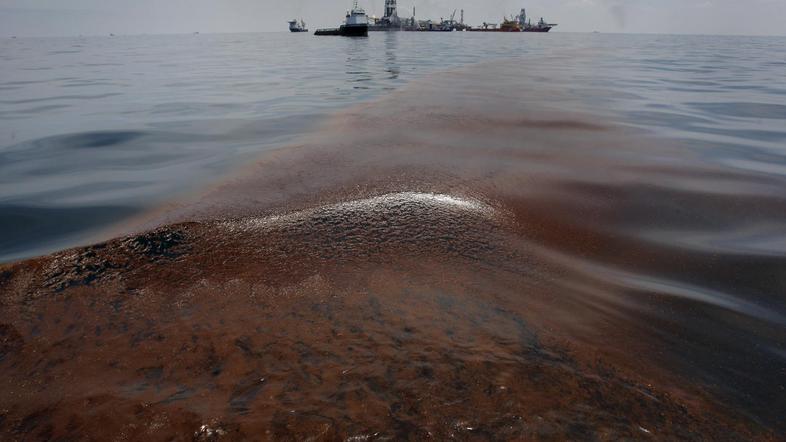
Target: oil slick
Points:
(452, 270)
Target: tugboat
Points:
(355, 24)
(294, 26)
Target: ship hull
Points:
(345, 31)
(354, 31)
(539, 30)
(384, 28)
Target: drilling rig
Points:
(390, 19)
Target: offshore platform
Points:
(390, 21)
(518, 23)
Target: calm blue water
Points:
(93, 130)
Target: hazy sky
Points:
(89, 17)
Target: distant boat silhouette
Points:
(294, 26)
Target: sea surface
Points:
(449, 235)
(95, 129)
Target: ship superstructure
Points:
(392, 22)
(355, 24)
(518, 23)
(389, 21)
(295, 26)
(391, 13)
(526, 25)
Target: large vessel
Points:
(519, 23)
(355, 24)
(392, 22)
(295, 26)
(527, 26)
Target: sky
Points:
(101, 17)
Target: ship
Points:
(295, 26)
(441, 26)
(355, 24)
(519, 23)
(392, 22)
(540, 26)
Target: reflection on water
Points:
(358, 63)
(391, 48)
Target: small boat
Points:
(294, 26)
(355, 24)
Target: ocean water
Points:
(459, 214)
(95, 129)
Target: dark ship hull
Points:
(345, 31)
(533, 29)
